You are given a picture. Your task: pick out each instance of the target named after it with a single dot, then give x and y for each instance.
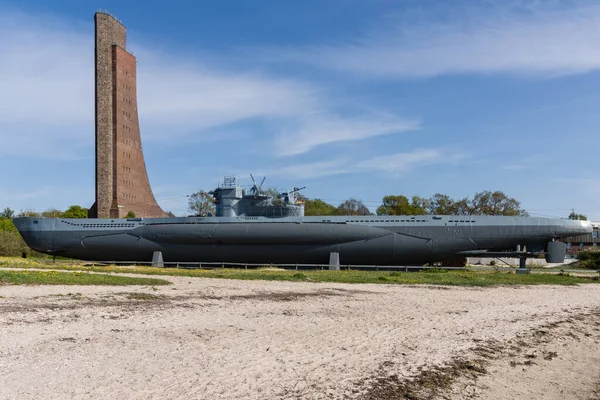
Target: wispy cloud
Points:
(188, 98)
(527, 163)
(320, 129)
(492, 40)
(310, 170)
(400, 163)
(47, 68)
(395, 165)
(46, 76)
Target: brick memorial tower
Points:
(122, 183)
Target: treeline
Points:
(483, 203)
(71, 212)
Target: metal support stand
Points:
(334, 261)
(522, 265)
(157, 259)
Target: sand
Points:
(229, 339)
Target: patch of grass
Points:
(144, 296)
(71, 278)
(436, 270)
(584, 264)
(450, 277)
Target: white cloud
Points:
(179, 99)
(46, 72)
(400, 163)
(530, 162)
(395, 165)
(310, 170)
(492, 41)
(320, 129)
(47, 68)
(46, 76)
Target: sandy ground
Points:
(227, 339)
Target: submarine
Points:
(255, 227)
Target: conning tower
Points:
(231, 200)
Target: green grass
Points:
(71, 278)
(457, 278)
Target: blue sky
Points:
(349, 98)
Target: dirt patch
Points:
(77, 300)
(530, 349)
(428, 384)
(286, 296)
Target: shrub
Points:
(6, 225)
(589, 256)
(589, 259)
(11, 244)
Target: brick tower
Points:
(122, 183)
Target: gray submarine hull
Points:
(368, 240)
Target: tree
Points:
(75, 211)
(441, 204)
(462, 207)
(28, 213)
(484, 203)
(7, 213)
(399, 205)
(395, 205)
(201, 204)
(52, 213)
(130, 214)
(496, 203)
(352, 206)
(574, 215)
(420, 205)
(318, 207)
(170, 214)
